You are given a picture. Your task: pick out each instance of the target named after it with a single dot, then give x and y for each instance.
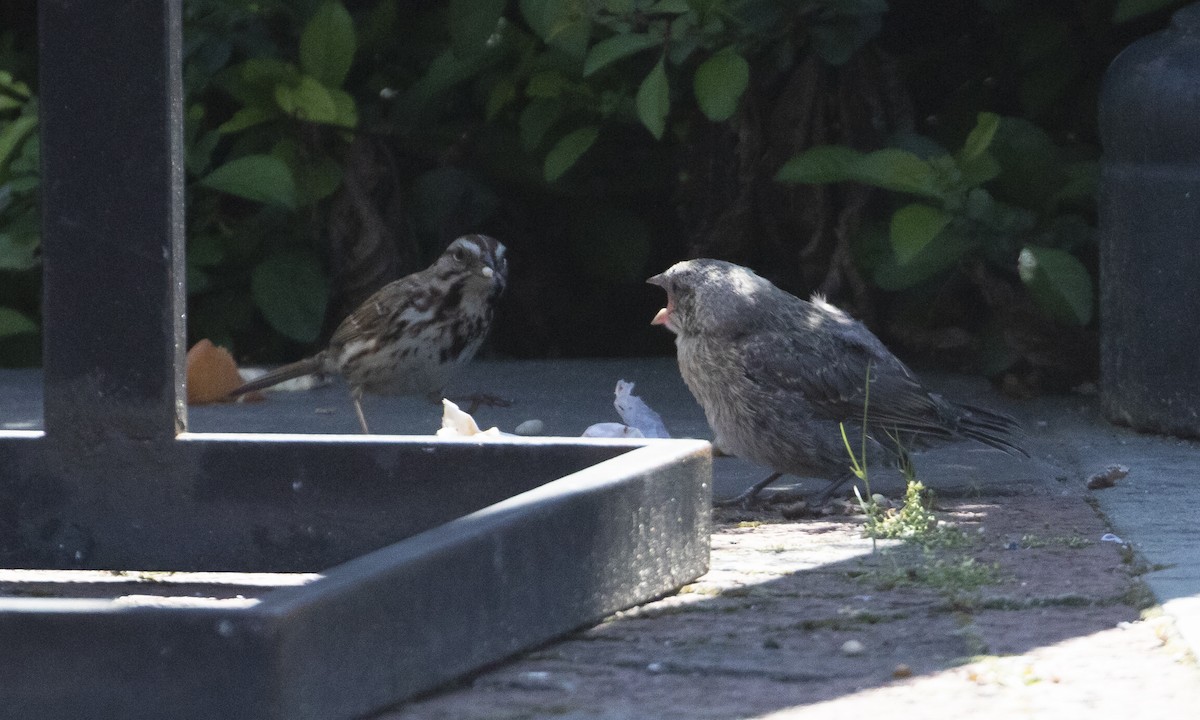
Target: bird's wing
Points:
(829, 372)
(372, 312)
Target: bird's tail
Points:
(307, 366)
(990, 428)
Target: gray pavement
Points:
(1156, 509)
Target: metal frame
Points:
(435, 557)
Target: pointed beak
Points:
(495, 268)
(658, 280)
(662, 316)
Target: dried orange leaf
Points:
(211, 374)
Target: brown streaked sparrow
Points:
(411, 336)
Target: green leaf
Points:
(23, 184)
(670, 7)
(914, 227)
(1127, 10)
(563, 24)
(719, 84)
(546, 84)
(503, 93)
(247, 117)
(1032, 166)
(317, 180)
(1083, 179)
(612, 49)
(890, 169)
(26, 162)
(446, 71)
(253, 82)
(18, 250)
(941, 254)
(13, 134)
(654, 100)
(900, 171)
(346, 111)
(15, 87)
(289, 289)
(15, 323)
(979, 169)
(263, 178)
(472, 22)
(536, 120)
(327, 44)
(307, 100)
(317, 176)
(980, 136)
(820, 165)
(1059, 284)
(266, 72)
(568, 150)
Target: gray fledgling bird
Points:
(776, 375)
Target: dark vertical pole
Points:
(112, 217)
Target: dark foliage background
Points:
(928, 164)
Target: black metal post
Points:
(113, 231)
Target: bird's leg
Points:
(828, 492)
(356, 396)
(752, 492)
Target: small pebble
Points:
(902, 671)
(1108, 477)
(655, 667)
(795, 511)
(852, 648)
(531, 428)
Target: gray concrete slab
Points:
(1156, 509)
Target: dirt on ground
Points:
(1019, 608)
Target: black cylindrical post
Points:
(1150, 231)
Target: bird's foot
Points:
(478, 400)
(749, 498)
(745, 501)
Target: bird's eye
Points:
(460, 255)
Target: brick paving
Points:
(800, 619)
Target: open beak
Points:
(664, 315)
